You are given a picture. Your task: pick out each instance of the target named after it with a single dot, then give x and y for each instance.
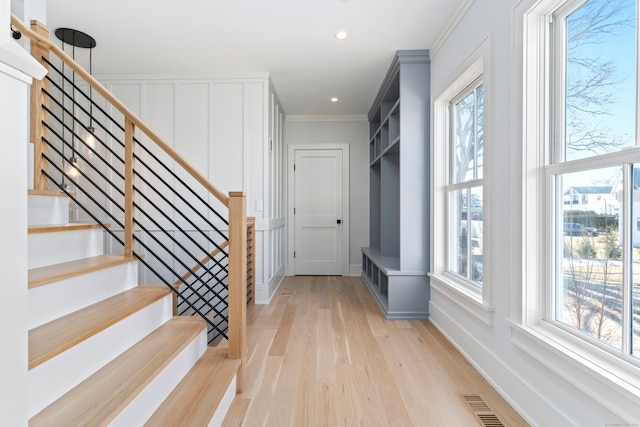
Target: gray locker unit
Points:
(396, 263)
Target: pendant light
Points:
(76, 38)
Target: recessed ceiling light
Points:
(334, 99)
(341, 35)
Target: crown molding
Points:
(336, 118)
(451, 25)
(180, 77)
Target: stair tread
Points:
(51, 339)
(51, 273)
(56, 193)
(196, 398)
(102, 396)
(72, 226)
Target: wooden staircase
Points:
(104, 350)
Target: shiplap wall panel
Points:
(129, 94)
(159, 112)
(256, 140)
(228, 136)
(192, 124)
(192, 110)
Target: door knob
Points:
(339, 221)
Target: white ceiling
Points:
(292, 40)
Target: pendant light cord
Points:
(91, 91)
(73, 100)
(63, 118)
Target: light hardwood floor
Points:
(322, 354)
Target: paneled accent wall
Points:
(230, 130)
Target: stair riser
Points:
(48, 302)
(58, 247)
(47, 210)
(225, 404)
(55, 377)
(149, 399)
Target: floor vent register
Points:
(482, 411)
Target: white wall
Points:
(355, 132)
(13, 250)
(16, 67)
(540, 394)
(27, 10)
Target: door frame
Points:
(291, 199)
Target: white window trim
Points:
(471, 298)
(609, 381)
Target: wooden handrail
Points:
(97, 86)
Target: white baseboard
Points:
(265, 293)
(355, 269)
(262, 294)
(511, 386)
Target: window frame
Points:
(607, 378)
(468, 185)
(557, 165)
(473, 299)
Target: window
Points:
(595, 278)
(460, 164)
(465, 184)
(577, 312)
(581, 263)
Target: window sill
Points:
(463, 296)
(615, 386)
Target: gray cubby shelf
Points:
(395, 264)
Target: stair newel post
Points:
(129, 147)
(238, 281)
(38, 114)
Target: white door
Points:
(318, 212)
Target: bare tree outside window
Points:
(590, 299)
(595, 82)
